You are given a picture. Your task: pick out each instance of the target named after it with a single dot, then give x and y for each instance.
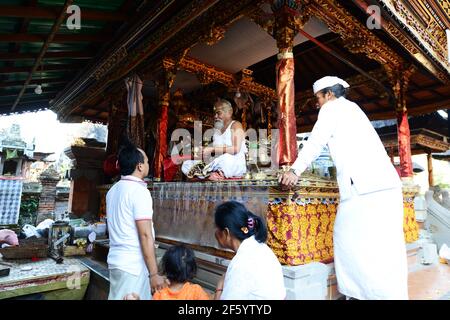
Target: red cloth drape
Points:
(404, 145)
(161, 144)
(287, 149)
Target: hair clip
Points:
(244, 230)
(250, 223)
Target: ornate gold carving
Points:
(429, 142)
(216, 33)
(207, 74)
(110, 63)
(358, 38)
(421, 139)
(399, 80)
(283, 25)
(428, 28)
(205, 77)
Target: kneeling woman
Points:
(254, 272)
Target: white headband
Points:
(328, 81)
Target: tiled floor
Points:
(430, 282)
(427, 282)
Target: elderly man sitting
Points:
(228, 146)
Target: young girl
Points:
(254, 272)
(179, 266)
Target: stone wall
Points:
(32, 191)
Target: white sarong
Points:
(369, 247)
(122, 283)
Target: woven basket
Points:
(27, 249)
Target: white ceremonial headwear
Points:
(328, 81)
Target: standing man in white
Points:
(369, 247)
(131, 258)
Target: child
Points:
(178, 265)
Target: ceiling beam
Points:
(30, 92)
(42, 98)
(9, 84)
(58, 38)
(5, 56)
(58, 22)
(23, 28)
(53, 13)
(46, 68)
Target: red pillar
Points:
(161, 144)
(289, 19)
(287, 150)
(399, 78)
(404, 144)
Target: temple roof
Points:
(82, 69)
(25, 26)
(429, 134)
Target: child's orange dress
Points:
(189, 291)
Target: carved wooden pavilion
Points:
(189, 53)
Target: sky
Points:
(50, 134)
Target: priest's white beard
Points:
(218, 124)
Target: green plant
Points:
(28, 211)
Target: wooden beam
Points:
(44, 48)
(46, 68)
(430, 170)
(31, 88)
(59, 38)
(41, 98)
(53, 12)
(6, 56)
(23, 28)
(9, 84)
(30, 92)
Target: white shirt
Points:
(254, 273)
(226, 138)
(356, 149)
(127, 201)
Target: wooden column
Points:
(448, 122)
(391, 155)
(430, 170)
(399, 79)
(288, 20)
(117, 118)
(164, 83)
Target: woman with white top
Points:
(255, 272)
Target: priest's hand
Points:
(288, 179)
(158, 282)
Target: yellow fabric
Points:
(410, 225)
(300, 234)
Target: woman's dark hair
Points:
(241, 222)
(178, 264)
(338, 90)
(129, 157)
